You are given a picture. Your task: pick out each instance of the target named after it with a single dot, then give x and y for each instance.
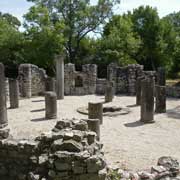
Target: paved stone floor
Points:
(127, 142)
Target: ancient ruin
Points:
(48, 139)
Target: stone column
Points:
(147, 101)
(4, 132)
(50, 84)
(7, 88)
(26, 76)
(160, 99)
(109, 92)
(138, 90)
(14, 93)
(95, 111)
(94, 125)
(59, 76)
(51, 105)
(161, 76)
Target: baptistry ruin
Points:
(72, 147)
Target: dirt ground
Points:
(127, 142)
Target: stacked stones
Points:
(69, 152)
(50, 84)
(161, 91)
(121, 80)
(139, 90)
(100, 86)
(59, 59)
(124, 77)
(166, 168)
(95, 115)
(147, 100)
(7, 88)
(25, 77)
(51, 105)
(69, 78)
(88, 75)
(90, 81)
(109, 92)
(37, 80)
(14, 93)
(4, 131)
(131, 79)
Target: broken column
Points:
(94, 125)
(147, 100)
(138, 90)
(4, 131)
(14, 93)
(160, 106)
(95, 111)
(50, 84)
(51, 105)
(25, 77)
(161, 76)
(109, 92)
(59, 76)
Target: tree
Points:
(148, 26)
(43, 38)
(78, 16)
(119, 42)
(11, 40)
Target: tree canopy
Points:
(79, 18)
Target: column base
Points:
(4, 133)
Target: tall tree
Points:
(119, 42)
(147, 24)
(78, 16)
(11, 40)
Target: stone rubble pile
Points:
(69, 152)
(167, 168)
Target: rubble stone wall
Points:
(124, 78)
(173, 91)
(100, 86)
(69, 152)
(37, 79)
(80, 83)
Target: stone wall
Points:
(173, 91)
(80, 82)
(69, 152)
(100, 86)
(35, 78)
(124, 78)
(38, 80)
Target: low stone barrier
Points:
(167, 168)
(69, 152)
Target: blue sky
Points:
(20, 7)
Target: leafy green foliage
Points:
(11, 40)
(119, 43)
(78, 16)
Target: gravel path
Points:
(127, 142)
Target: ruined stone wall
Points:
(38, 80)
(124, 78)
(173, 91)
(100, 86)
(33, 77)
(69, 152)
(80, 83)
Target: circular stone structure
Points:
(107, 110)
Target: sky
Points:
(20, 7)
